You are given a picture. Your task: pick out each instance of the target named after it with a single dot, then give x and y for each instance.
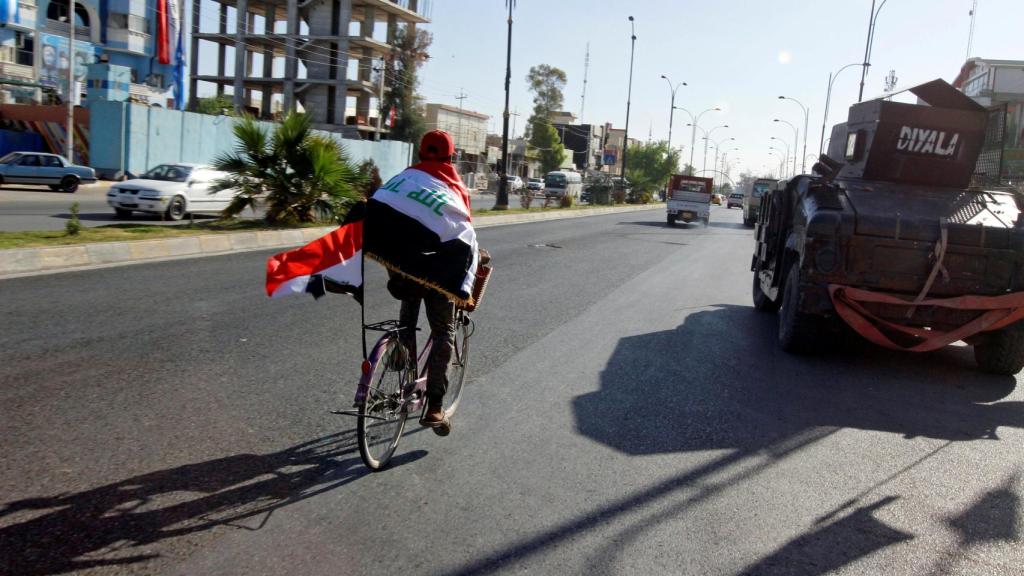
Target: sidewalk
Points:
(17, 262)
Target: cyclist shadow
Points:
(69, 532)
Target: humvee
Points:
(888, 237)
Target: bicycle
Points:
(394, 384)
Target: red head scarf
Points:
(436, 150)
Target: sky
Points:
(738, 55)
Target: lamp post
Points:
(828, 103)
(501, 203)
(867, 47)
(672, 109)
(693, 122)
(629, 94)
(803, 165)
(785, 159)
(775, 152)
(69, 141)
(718, 146)
(707, 135)
(796, 140)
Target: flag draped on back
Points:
(418, 225)
(336, 257)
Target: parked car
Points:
(45, 169)
(514, 183)
(534, 184)
(735, 199)
(171, 189)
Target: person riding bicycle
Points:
(435, 154)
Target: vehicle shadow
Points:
(76, 531)
(136, 217)
(732, 225)
(719, 382)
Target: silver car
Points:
(46, 169)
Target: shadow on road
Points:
(101, 526)
(719, 382)
(136, 217)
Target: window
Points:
(30, 160)
(51, 162)
(58, 10)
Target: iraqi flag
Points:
(336, 258)
(418, 225)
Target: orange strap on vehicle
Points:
(994, 312)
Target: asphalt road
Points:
(38, 208)
(628, 412)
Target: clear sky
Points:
(739, 55)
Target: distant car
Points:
(735, 199)
(171, 189)
(45, 169)
(534, 184)
(514, 183)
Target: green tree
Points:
(304, 176)
(550, 151)
(401, 78)
(546, 82)
(216, 105)
(650, 166)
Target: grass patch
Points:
(128, 231)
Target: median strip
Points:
(106, 246)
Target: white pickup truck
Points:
(689, 199)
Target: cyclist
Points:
(436, 151)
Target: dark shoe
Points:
(436, 420)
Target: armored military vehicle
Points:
(888, 237)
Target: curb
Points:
(18, 262)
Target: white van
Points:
(559, 184)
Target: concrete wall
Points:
(150, 136)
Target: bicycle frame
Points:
(410, 401)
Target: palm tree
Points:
(300, 176)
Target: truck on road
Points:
(889, 237)
(689, 199)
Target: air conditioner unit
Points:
(8, 54)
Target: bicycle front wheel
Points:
(459, 364)
(381, 419)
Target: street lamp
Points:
(803, 166)
(718, 146)
(629, 95)
(867, 48)
(796, 140)
(707, 135)
(693, 122)
(671, 110)
(775, 152)
(828, 103)
(786, 158)
(501, 203)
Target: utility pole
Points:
(629, 95)
(501, 202)
(458, 137)
(970, 36)
(586, 68)
(70, 140)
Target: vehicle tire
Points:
(798, 332)
(706, 221)
(176, 208)
(69, 184)
(671, 220)
(748, 222)
(762, 302)
(122, 213)
(459, 366)
(379, 423)
(1001, 352)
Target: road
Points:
(38, 208)
(628, 412)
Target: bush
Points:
(646, 198)
(567, 200)
(73, 225)
(619, 196)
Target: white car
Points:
(171, 189)
(514, 183)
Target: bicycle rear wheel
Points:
(381, 420)
(459, 364)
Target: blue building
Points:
(141, 35)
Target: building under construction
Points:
(321, 56)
